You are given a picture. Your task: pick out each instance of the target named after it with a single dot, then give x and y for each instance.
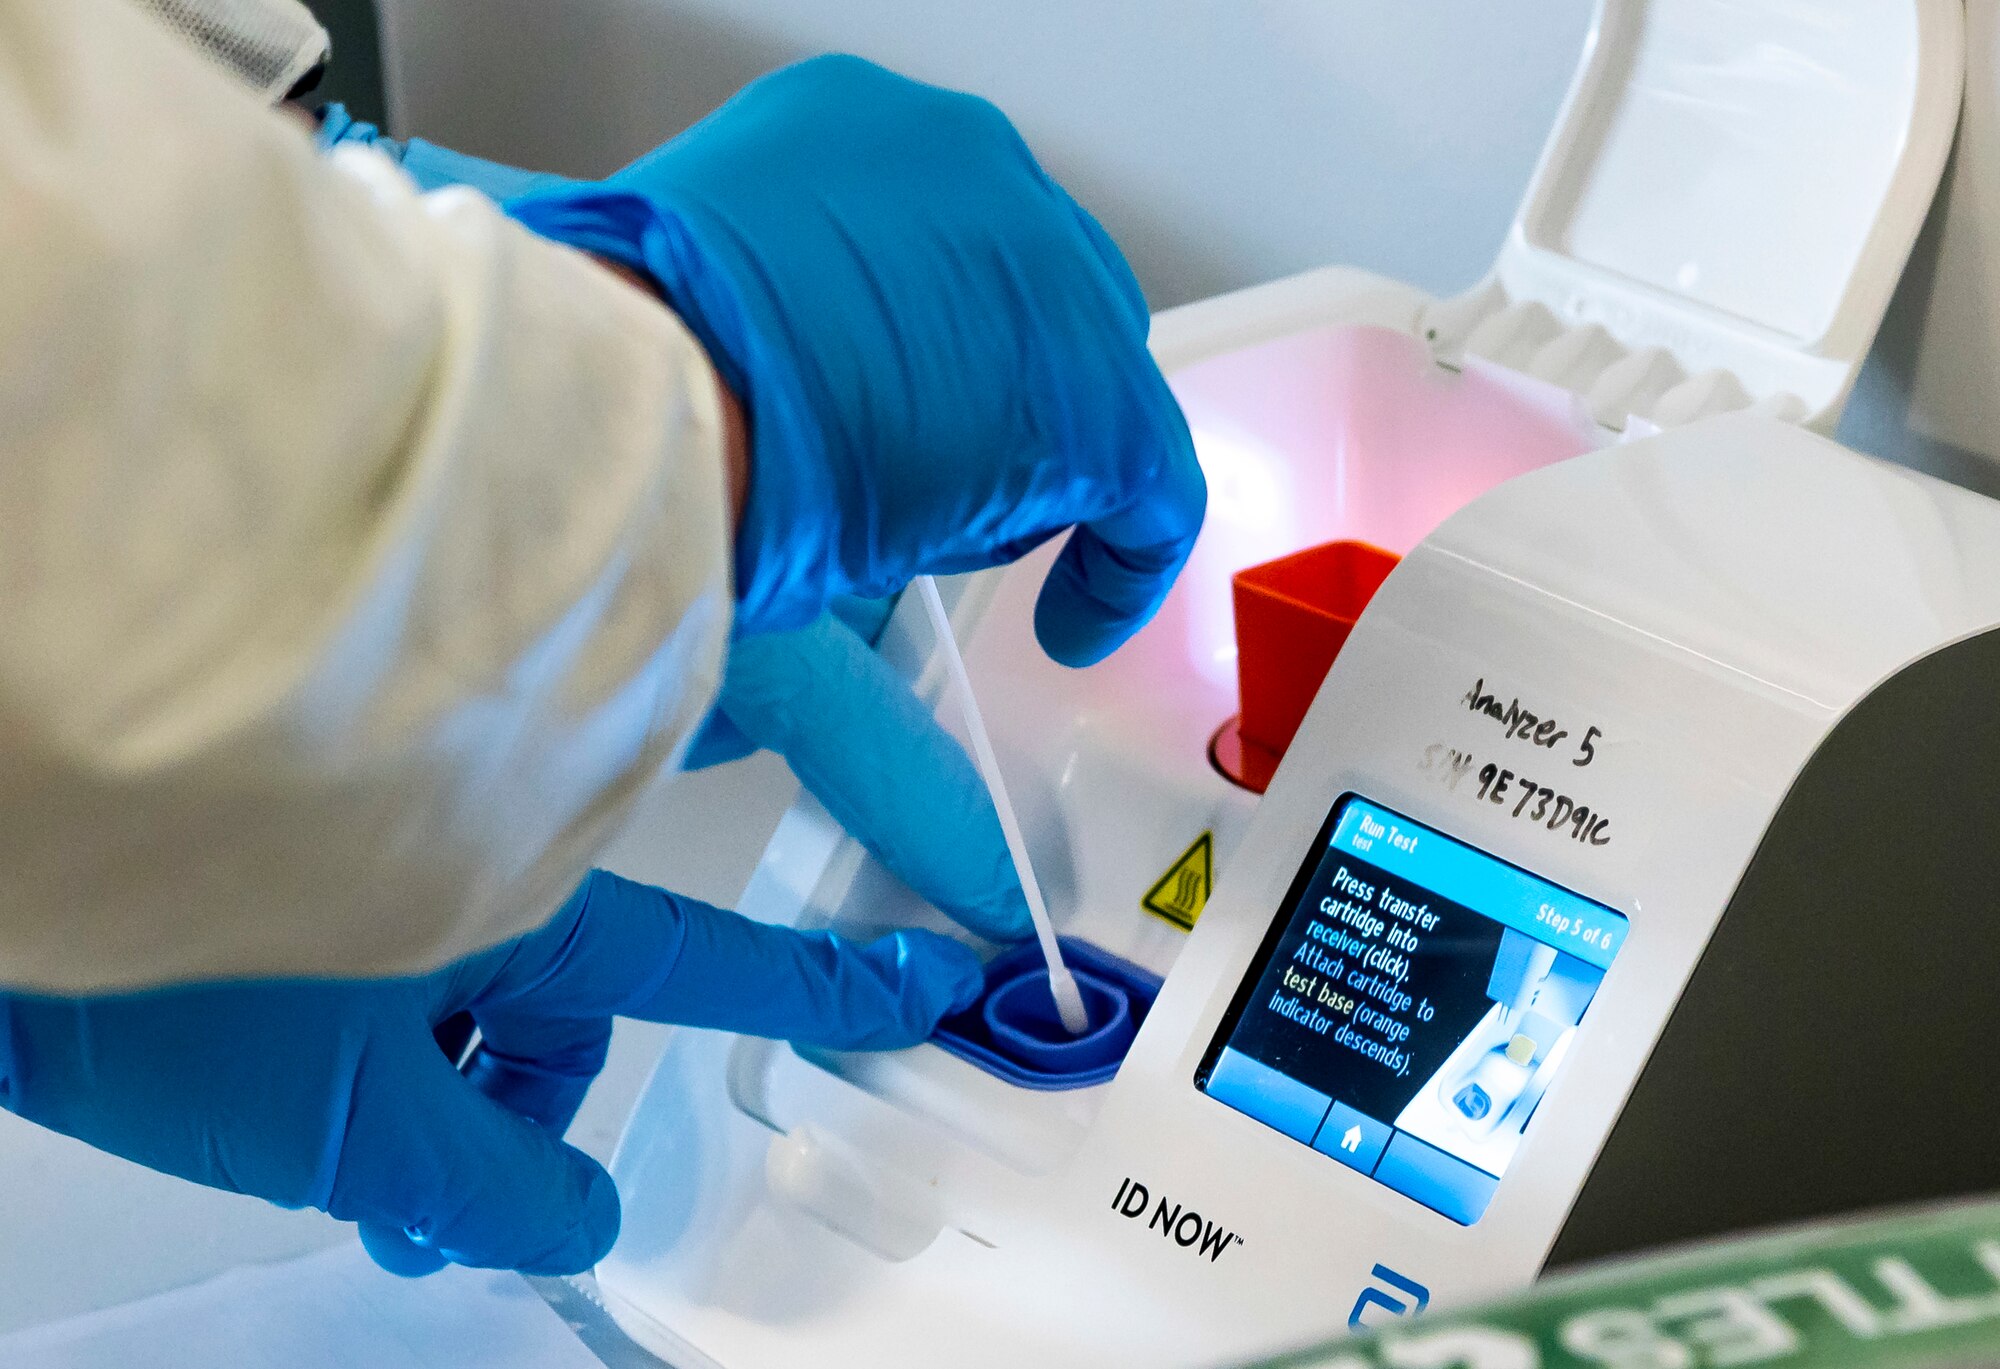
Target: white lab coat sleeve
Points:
(361, 554)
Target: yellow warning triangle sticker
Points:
(1182, 892)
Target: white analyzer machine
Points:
(1631, 877)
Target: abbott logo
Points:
(1394, 1293)
(1185, 1227)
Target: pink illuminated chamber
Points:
(1355, 434)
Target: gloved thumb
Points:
(436, 1171)
(1115, 571)
(851, 730)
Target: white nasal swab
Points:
(1062, 984)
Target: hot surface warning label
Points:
(1182, 892)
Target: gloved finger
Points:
(867, 617)
(393, 1250)
(718, 741)
(1115, 571)
(536, 1064)
(538, 1068)
(619, 948)
(814, 988)
(868, 749)
(424, 1152)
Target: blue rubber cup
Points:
(1022, 1020)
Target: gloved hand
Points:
(432, 167)
(820, 697)
(855, 735)
(334, 1095)
(942, 356)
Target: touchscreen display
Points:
(1410, 1006)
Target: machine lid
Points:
(1731, 172)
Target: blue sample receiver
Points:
(1043, 1055)
(1396, 947)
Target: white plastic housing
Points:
(1725, 206)
(1712, 599)
(1716, 224)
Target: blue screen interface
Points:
(1410, 1006)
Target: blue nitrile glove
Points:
(844, 721)
(943, 358)
(721, 739)
(855, 735)
(430, 166)
(334, 1095)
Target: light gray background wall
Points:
(1223, 142)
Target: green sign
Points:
(1913, 1289)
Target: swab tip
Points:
(1069, 1001)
